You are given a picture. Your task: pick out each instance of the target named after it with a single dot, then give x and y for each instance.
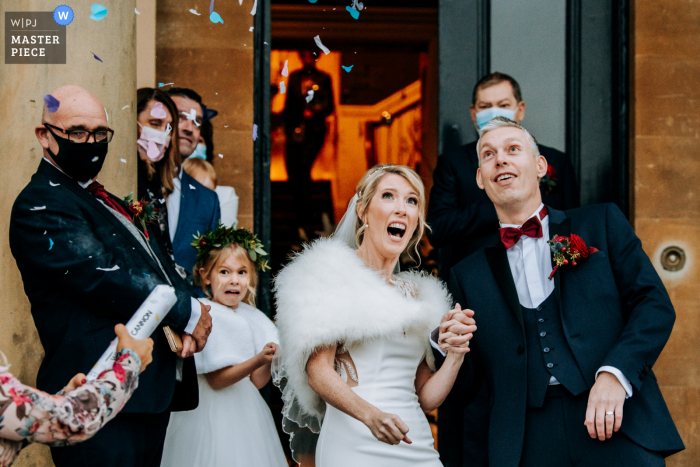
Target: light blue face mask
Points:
(486, 115)
(200, 151)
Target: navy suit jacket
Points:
(615, 311)
(75, 305)
(199, 212)
(462, 216)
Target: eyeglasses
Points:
(82, 136)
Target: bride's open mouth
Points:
(396, 231)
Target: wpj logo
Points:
(34, 37)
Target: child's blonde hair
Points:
(195, 165)
(213, 261)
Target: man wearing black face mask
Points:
(86, 266)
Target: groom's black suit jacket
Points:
(75, 306)
(615, 311)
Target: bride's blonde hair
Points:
(367, 188)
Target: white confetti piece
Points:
(310, 95)
(255, 131)
(53, 184)
(125, 107)
(285, 70)
(191, 187)
(95, 159)
(38, 208)
(251, 28)
(137, 12)
(194, 12)
(115, 268)
(317, 39)
(65, 272)
(191, 116)
(255, 8)
(45, 232)
(283, 87)
(221, 156)
(123, 160)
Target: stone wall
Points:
(666, 133)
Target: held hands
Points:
(457, 327)
(267, 353)
(605, 401)
(195, 342)
(387, 428)
(141, 347)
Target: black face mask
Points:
(81, 161)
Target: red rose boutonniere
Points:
(142, 211)
(568, 250)
(549, 181)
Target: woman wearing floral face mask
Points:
(158, 155)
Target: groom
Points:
(567, 351)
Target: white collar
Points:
(533, 215)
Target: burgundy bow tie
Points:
(97, 190)
(531, 228)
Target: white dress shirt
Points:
(196, 308)
(173, 206)
(530, 263)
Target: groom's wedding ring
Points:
(610, 413)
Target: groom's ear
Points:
(479, 182)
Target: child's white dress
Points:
(232, 426)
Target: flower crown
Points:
(223, 236)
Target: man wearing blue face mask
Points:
(462, 218)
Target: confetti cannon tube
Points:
(146, 319)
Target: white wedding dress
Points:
(386, 373)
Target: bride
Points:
(357, 363)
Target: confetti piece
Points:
(98, 12)
(353, 12)
(50, 244)
(283, 87)
(125, 107)
(38, 208)
(214, 17)
(357, 5)
(191, 116)
(115, 268)
(191, 187)
(285, 70)
(255, 132)
(310, 95)
(96, 57)
(123, 160)
(146, 274)
(240, 2)
(251, 28)
(53, 184)
(313, 1)
(221, 156)
(137, 12)
(65, 273)
(194, 12)
(158, 111)
(51, 102)
(153, 152)
(255, 8)
(95, 159)
(45, 232)
(348, 68)
(211, 7)
(317, 39)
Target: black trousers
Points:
(134, 440)
(555, 436)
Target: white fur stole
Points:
(236, 336)
(327, 296)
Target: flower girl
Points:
(233, 425)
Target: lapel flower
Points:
(142, 211)
(549, 181)
(568, 250)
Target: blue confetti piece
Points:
(353, 12)
(98, 12)
(50, 244)
(348, 68)
(214, 17)
(160, 85)
(51, 102)
(96, 57)
(146, 274)
(313, 1)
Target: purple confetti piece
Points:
(96, 57)
(211, 7)
(51, 102)
(255, 132)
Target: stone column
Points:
(22, 87)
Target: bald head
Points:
(75, 103)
